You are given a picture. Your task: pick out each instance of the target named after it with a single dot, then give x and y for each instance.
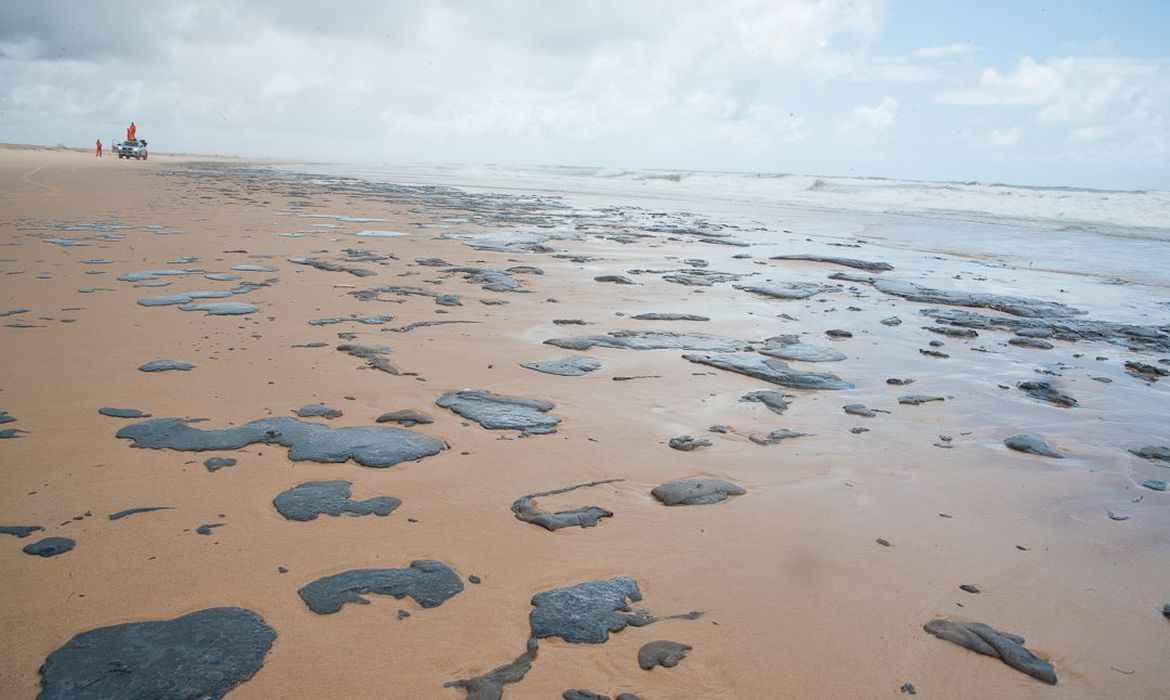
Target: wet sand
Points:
(799, 599)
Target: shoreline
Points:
(90, 151)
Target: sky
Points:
(1063, 92)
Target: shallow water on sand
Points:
(1106, 234)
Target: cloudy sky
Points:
(1076, 93)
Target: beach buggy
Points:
(132, 147)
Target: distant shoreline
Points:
(81, 149)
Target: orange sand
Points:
(800, 600)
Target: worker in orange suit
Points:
(132, 132)
(99, 148)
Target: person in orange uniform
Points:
(132, 132)
(99, 148)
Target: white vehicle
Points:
(135, 149)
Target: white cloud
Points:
(948, 51)
(1124, 102)
(1032, 83)
(1096, 88)
(1092, 134)
(901, 70)
(925, 65)
(1005, 137)
(876, 117)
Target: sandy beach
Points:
(799, 598)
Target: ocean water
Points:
(1118, 236)
(1137, 213)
